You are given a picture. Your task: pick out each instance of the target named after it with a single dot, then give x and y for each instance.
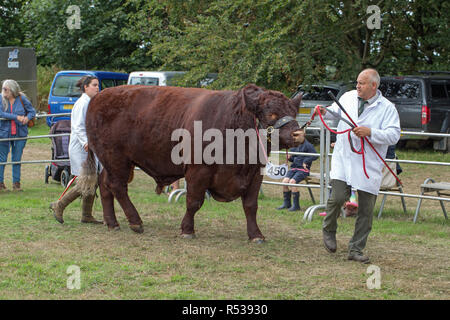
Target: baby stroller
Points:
(59, 171)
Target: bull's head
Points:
(274, 110)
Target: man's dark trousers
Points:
(340, 192)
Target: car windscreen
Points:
(400, 89)
(65, 86)
(108, 83)
(120, 82)
(318, 93)
(146, 81)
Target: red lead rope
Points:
(361, 152)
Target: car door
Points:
(439, 106)
(407, 96)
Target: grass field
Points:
(36, 251)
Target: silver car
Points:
(317, 94)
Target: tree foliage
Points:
(273, 43)
(12, 31)
(279, 43)
(95, 45)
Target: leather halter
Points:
(280, 123)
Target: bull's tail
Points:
(87, 180)
(130, 178)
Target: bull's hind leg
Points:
(117, 183)
(120, 192)
(109, 215)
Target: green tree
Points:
(277, 44)
(281, 43)
(422, 37)
(12, 29)
(95, 45)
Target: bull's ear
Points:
(250, 96)
(296, 101)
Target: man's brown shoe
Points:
(359, 258)
(329, 241)
(3, 187)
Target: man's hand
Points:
(321, 109)
(362, 132)
(86, 147)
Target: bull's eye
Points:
(271, 117)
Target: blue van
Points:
(64, 93)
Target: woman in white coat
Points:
(78, 148)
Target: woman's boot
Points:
(86, 210)
(16, 186)
(287, 200)
(59, 206)
(295, 202)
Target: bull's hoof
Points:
(138, 228)
(115, 228)
(90, 220)
(258, 240)
(188, 236)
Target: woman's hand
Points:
(20, 119)
(86, 147)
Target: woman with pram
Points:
(300, 168)
(78, 148)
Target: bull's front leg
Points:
(250, 204)
(195, 196)
(193, 203)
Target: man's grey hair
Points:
(374, 76)
(14, 87)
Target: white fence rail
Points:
(324, 160)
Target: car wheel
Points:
(46, 174)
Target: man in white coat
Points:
(378, 120)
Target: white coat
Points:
(382, 118)
(78, 136)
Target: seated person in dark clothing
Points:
(390, 154)
(300, 167)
